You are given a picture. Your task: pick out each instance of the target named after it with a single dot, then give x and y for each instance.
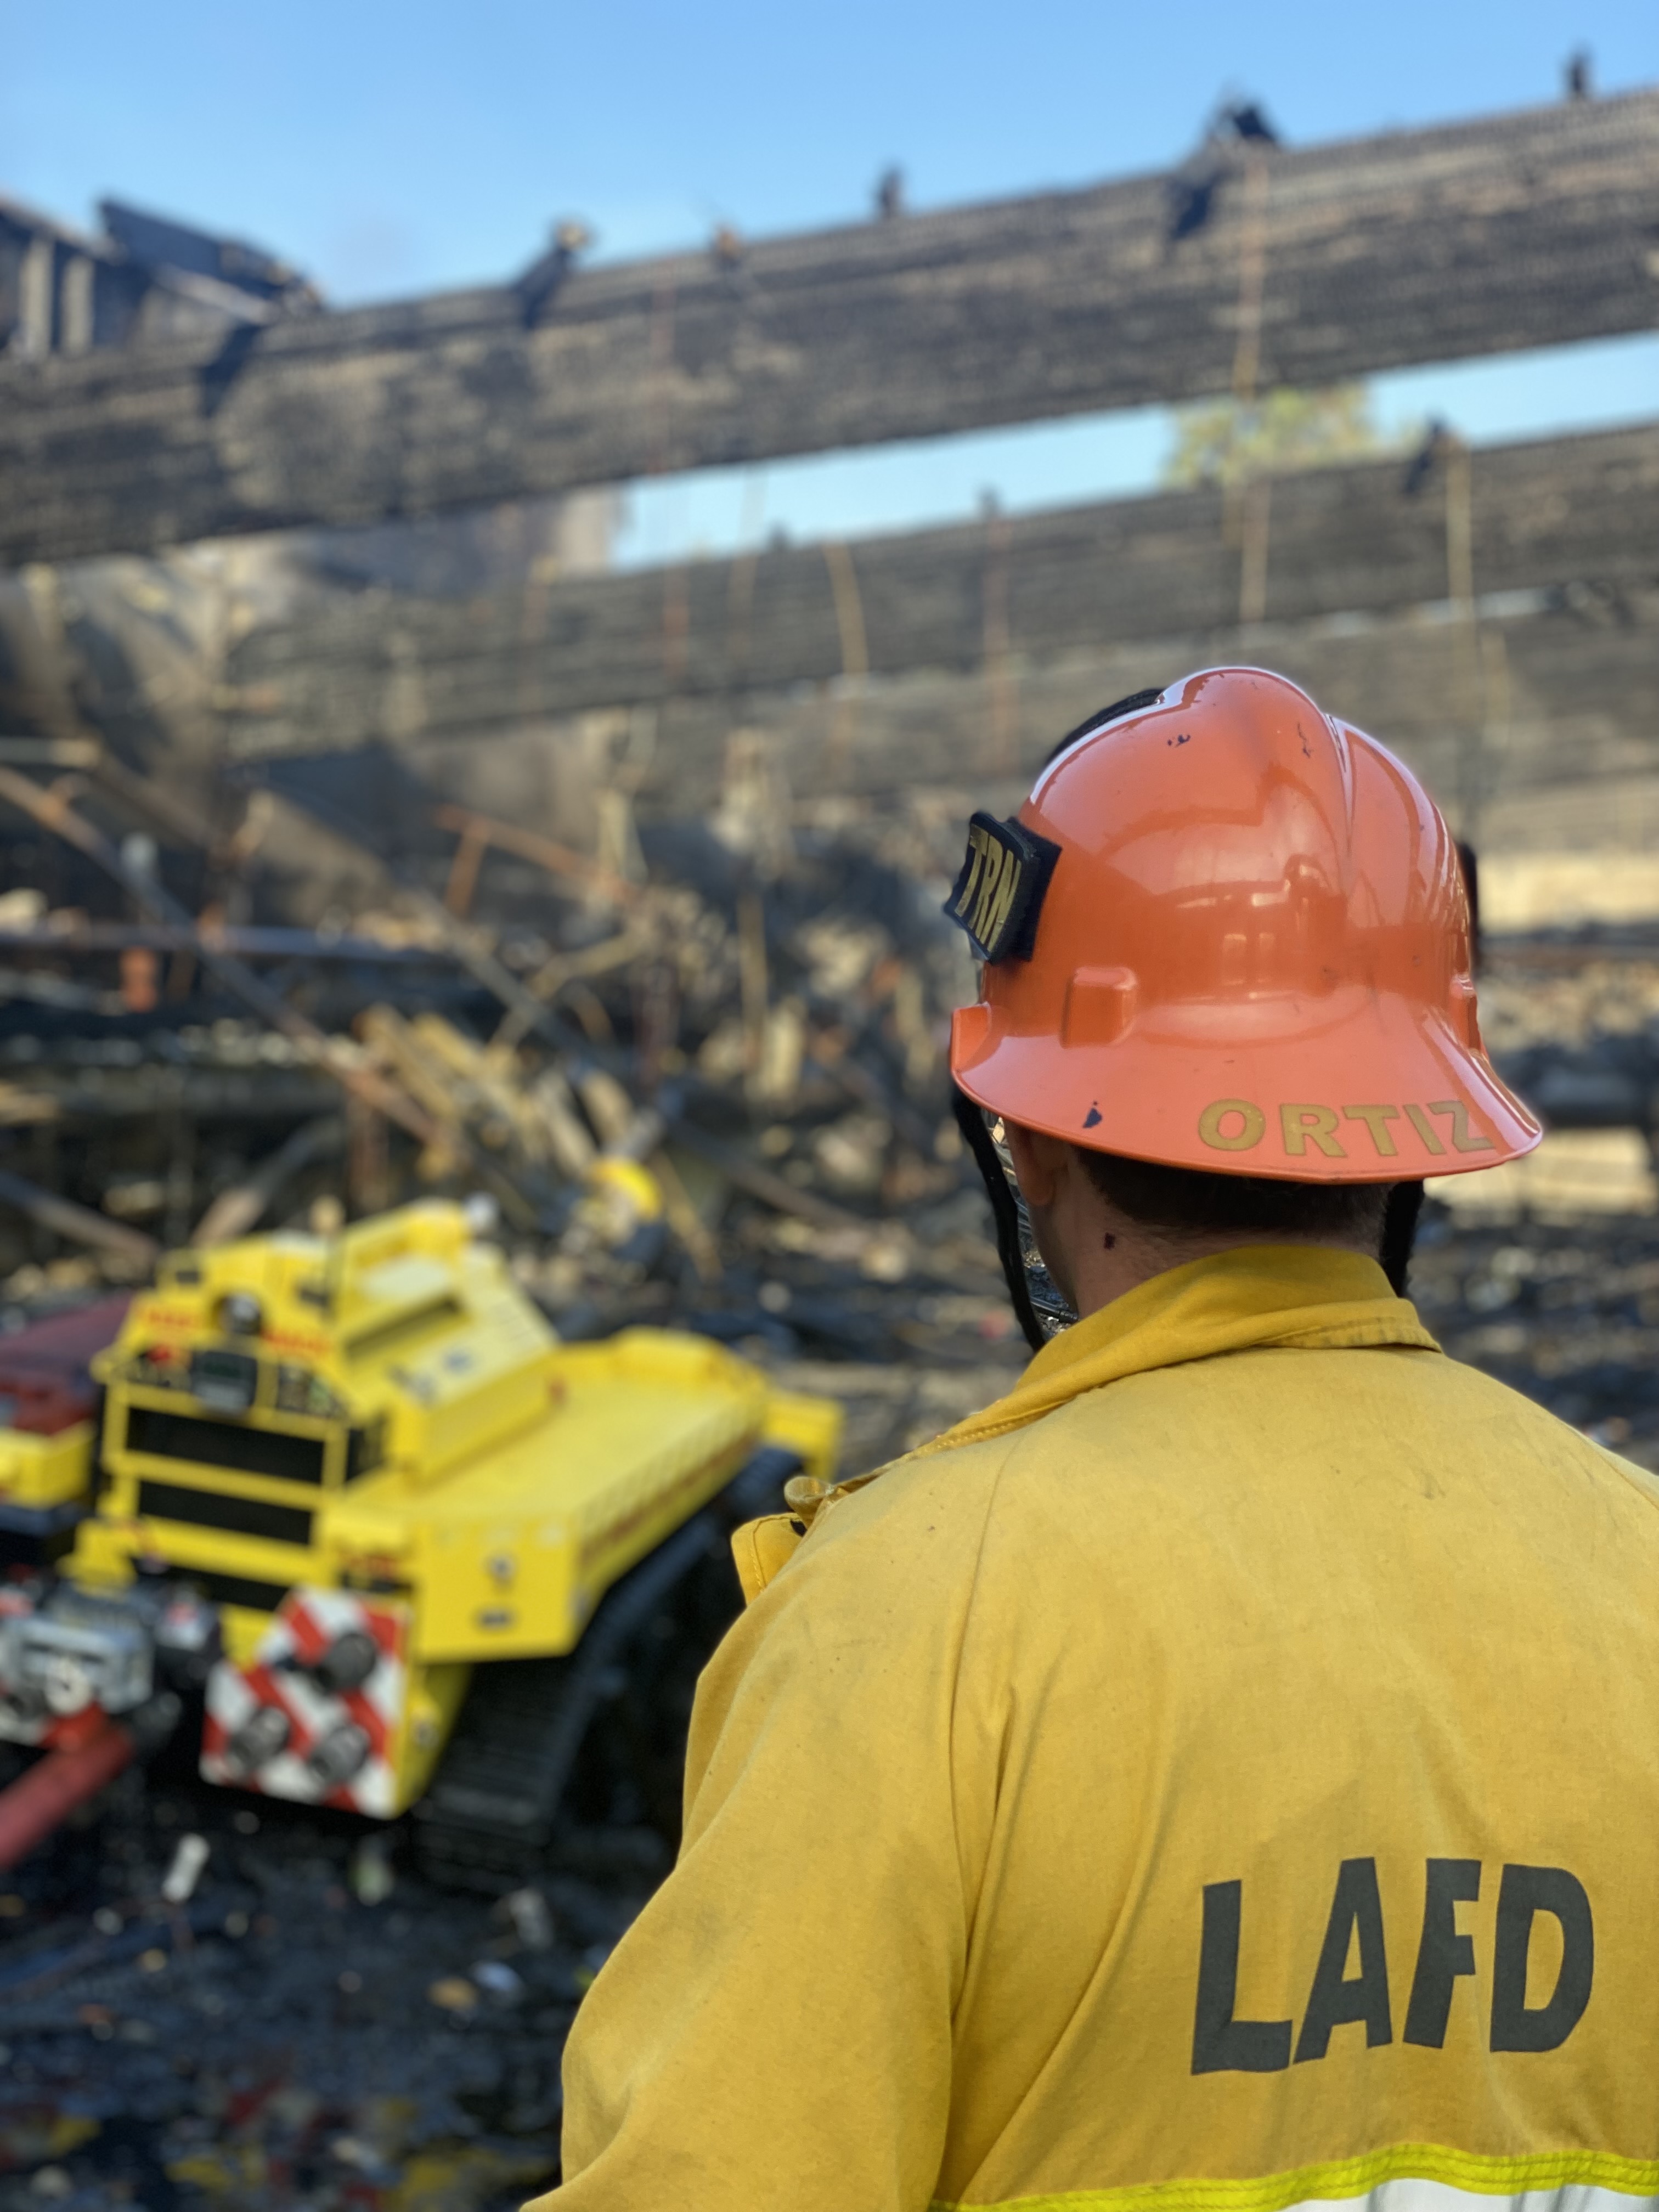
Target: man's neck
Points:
(1101, 1272)
(1093, 1249)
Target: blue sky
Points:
(389, 149)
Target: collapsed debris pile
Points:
(709, 1083)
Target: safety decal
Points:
(999, 893)
(315, 1713)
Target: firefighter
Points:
(1224, 1772)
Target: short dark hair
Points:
(1191, 1200)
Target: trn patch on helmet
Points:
(999, 894)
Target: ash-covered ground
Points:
(1566, 1311)
(315, 2026)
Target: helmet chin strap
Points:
(1041, 1308)
(1405, 1203)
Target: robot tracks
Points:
(599, 1734)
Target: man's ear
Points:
(1039, 1163)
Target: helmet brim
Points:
(1362, 1087)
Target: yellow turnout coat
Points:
(1223, 1774)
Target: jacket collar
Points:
(1306, 1295)
(1303, 1296)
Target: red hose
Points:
(38, 1799)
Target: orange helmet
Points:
(1228, 932)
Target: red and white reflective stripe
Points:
(304, 1628)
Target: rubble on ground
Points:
(685, 1085)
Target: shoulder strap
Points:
(762, 1548)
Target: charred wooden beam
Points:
(50, 810)
(1551, 694)
(1571, 514)
(80, 1224)
(257, 944)
(1255, 267)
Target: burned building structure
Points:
(304, 599)
(142, 280)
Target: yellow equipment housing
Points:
(43, 1476)
(378, 1436)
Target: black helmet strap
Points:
(1005, 1213)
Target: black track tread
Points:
(493, 1806)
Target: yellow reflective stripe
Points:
(1351, 2176)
